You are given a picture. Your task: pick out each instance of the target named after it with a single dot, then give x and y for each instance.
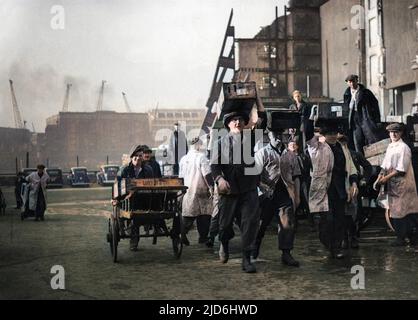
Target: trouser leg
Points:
(214, 226)
(203, 224)
(250, 220)
(331, 226)
(266, 216)
(286, 232)
(227, 206)
(188, 223)
(134, 233)
(359, 139)
(401, 228)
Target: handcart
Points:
(148, 203)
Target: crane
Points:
(67, 98)
(18, 119)
(128, 108)
(100, 102)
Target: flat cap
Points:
(137, 149)
(395, 127)
(229, 116)
(351, 77)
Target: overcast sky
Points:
(157, 51)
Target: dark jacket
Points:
(360, 161)
(235, 174)
(156, 170)
(304, 111)
(129, 172)
(368, 106)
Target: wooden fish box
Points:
(333, 111)
(281, 120)
(377, 148)
(161, 182)
(240, 90)
(376, 161)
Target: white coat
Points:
(322, 159)
(194, 166)
(401, 190)
(35, 183)
(322, 164)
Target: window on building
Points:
(178, 115)
(373, 32)
(195, 114)
(170, 115)
(266, 82)
(161, 115)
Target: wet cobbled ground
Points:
(73, 236)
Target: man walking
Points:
(364, 118)
(237, 186)
(197, 202)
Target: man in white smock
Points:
(398, 176)
(197, 202)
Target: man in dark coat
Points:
(304, 110)
(364, 118)
(136, 169)
(237, 187)
(178, 147)
(149, 160)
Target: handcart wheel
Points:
(114, 238)
(113, 235)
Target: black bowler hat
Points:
(395, 127)
(351, 77)
(229, 116)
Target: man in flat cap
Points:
(364, 117)
(334, 182)
(236, 185)
(398, 175)
(280, 173)
(197, 202)
(136, 169)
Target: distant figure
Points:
(149, 160)
(177, 147)
(37, 192)
(364, 116)
(20, 179)
(304, 110)
(197, 202)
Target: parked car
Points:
(55, 178)
(107, 175)
(79, 177)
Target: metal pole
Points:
(107, 159)
(27, 159)
(17, 166)
(308, 86)
(77, 162)
(47, 162)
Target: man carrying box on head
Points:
(331, 186)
